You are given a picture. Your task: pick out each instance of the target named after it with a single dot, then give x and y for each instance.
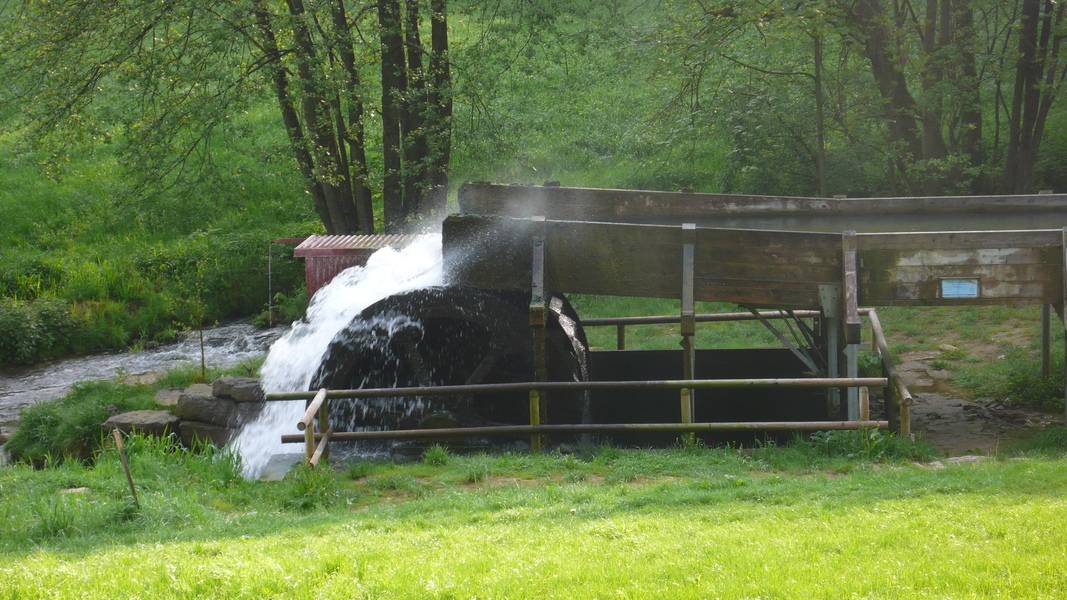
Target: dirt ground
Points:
(955, 425)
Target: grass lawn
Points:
(832, 518)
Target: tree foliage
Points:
(168, 73)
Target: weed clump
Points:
(436, 455)
(865, 444)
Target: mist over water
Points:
(295, 357)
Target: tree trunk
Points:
(357, 152)
(1017, 174)
(333, 173)
(970, 92)
(933, 144)
(820, 125)
(413, 120)
(394, 82)
(289, 116)
(900, 107)
(440, 99)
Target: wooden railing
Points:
(316, 443)
(898, 399)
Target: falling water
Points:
(294, 358)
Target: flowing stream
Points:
(223, 346)
(295, 357)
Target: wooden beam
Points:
(311, 410)
(688, 321)
(1063, 313)
(1046, 341)
(849, 287)
(322, 450)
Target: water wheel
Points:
(451, 336)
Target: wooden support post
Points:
(324, 427)
(115, 433)
(538, 322)
(1046, 341)
(865, 404)
(852, 323)
(688, 321)
(829, 297)
(1063, 315)
(620, 336)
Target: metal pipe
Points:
(348, 436)
(526, 386)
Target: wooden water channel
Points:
(814, 261)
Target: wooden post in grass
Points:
(865, 404)
(115, 433)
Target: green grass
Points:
(796, 521)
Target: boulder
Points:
(206, 432)
(238, 389)
(148, 422)
(168, 397)
(206, 409)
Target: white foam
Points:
(295, 357)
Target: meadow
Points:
(850, 514)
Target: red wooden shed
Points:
(327, 255)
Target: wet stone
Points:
(191, 431)
(238, 389)
(207, 409)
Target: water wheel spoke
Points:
(492, 355)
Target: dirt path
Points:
(955, 425)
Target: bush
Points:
(69, 427)
(34, 331)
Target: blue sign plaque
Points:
(959, 288)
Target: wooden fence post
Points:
(688, 323)
(115, 433)
(538, 322)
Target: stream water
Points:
(223, 346)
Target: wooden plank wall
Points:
(757, 268)
(1012, 267)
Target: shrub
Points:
(34, 331)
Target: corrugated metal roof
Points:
(332, 245)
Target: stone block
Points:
(206, 432)
(238, 389)
(148, 422)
